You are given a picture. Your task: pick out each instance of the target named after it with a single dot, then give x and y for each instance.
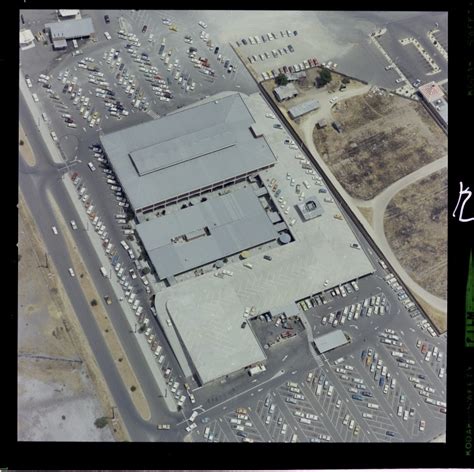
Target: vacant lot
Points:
(415, 225)
(57, 396)
(383, 139)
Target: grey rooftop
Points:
(186, 151)
(206, 232)
(330, 341)
(303, 108)
(70, 29)
(214, 340)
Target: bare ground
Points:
(384, 138)
(415, 225)
(368, 214)
(59, 397)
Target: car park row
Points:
(126, 275)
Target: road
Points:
(45, 177)
(35, 183)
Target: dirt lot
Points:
(384, 138)
(59, 395)
(415, 224)
(308, 91)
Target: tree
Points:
(345, 80)
(281, 79)
(21, 142)
(324, 77)
(133, 388)
(101, 422)
(146, 270)
(94, 302)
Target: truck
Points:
(257, 369)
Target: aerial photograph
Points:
(232, 226)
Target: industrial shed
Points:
(303, 108)
(187, 153)
(328, 342)
(206, 232)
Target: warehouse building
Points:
(206, 232)
(229, 234)
(216, 345)
(187, 154)
(303, 108)
(328, 342)
(61, 31)
(70, 14)
(285, 92)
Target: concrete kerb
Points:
(130, 316)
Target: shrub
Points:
(101, 422)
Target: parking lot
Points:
(110, 86)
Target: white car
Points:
(35, 97)
(55, 230)
(400, 80)
(91, 166)
(107, 36)
(202, 24)
(71, 272)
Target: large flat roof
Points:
(186, 151)
(216, 343)
(70, 29)
(329, 341)
(206, 232)
(320, 252)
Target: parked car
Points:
(106, 18)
